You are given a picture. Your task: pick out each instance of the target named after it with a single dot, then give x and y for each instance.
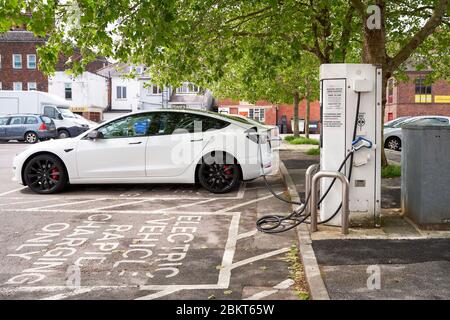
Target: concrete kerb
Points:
(317, 289)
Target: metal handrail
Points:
(312, 169)
(345, 198)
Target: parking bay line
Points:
(12, 191)
(185, 205)
(63, 204)
(247, 203)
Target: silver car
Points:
(393, 133)
(27, 127)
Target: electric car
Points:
(393, 135)
(160, 146)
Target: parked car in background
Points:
(27, 127)
(38, 102)
(392, 123)
(85, 121)
(393, 134)
(160, 146)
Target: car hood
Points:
(52, 145)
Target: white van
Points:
(38, 102)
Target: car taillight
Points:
(42, 127)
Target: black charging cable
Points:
(278, 223)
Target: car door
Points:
(178, 140)
(3, 123)
(16, 127)
(120, 153)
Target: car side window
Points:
(31, 120)
(131, 126)
(50, 112)
(179, 122)
(16, 120)
(3, 121)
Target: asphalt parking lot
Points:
(139, 242)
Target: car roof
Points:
(21, 115)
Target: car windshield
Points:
(66, 112)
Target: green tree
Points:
(198, 39)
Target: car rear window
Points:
(46, 120)
(31, 120)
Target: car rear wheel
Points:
(394, 143)
(217, 175)
(63, 134)
(31, 137)
(45, 174)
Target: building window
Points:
(17, 86)
(188, 88)
(257, 114)
(121, 92)
(17, 61)
(31, 61)
(153, 89)
(1, 86)
(0, 61)
(391, 91)
(68, 91)
(423, 91)
(32, 86)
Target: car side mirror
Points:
(59, 116)
(94, 135)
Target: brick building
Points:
(272, 114)
(415, 97)
(19, 62)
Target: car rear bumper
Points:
(47, 134)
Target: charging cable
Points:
(278, 223)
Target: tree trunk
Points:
(296, 103)
(307, 114)
(374, 52)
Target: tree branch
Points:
(436, 19)
(359, 6)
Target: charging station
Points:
(345, 89)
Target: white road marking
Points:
(246, 203)
(265, 293)
(157, 295)
(143, 212)
(117, 205)
(62, 296)
(185, 205)
(25, 202)
(284, 284)
(261, 295)
(247, 234)
(12, 191)
(259, 257)
(240, 194)
(63, 204)
(230, 249)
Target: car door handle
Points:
(196, 140)
(137, 142)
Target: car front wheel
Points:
(45, 174)
(217, 175)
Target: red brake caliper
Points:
(54, 175)
(226, 169)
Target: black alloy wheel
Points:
(218, 175)
(45, 174)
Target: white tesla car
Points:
(161, 146)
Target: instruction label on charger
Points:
(333, 102)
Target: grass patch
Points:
(391, 171)
(301, 140)
(313, 152)
(297, 273)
